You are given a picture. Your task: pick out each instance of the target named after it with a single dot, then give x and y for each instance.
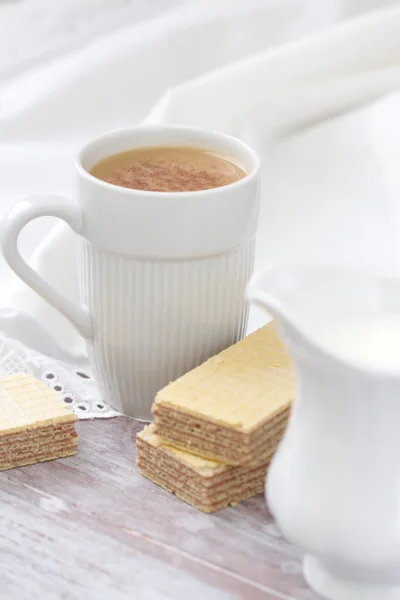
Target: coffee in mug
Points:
(168, 169)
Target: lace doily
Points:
(75, 386)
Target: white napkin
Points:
(329, 185)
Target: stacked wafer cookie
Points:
(217, 427)
(35, 425)
(207, 484)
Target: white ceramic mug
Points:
(162, 275)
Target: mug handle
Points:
(12, 224)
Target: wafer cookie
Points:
(35, 425)
(31, 459)
(227, 408)
(206, 484)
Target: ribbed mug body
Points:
(155, 320)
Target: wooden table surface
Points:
(91, 528)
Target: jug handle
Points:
(14, 221)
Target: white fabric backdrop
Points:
(329, 181)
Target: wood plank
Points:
(91, 527)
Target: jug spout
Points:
(340, 313)
(276, 291)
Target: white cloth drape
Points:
(312, 85)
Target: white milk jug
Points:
(334, 484)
